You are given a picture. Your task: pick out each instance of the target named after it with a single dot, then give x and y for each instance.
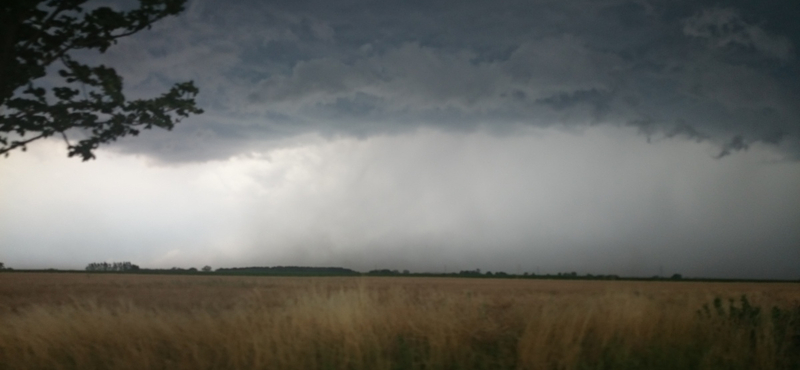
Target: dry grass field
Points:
(107, 321)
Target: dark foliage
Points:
(785, 324)
(89, 101)
(113, 266)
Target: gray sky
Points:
(622, 137)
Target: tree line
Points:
(341, 271)
(113, 266)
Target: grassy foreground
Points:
(76, 321)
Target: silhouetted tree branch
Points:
(38, 33)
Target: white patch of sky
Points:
(600, 200)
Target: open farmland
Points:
(111, 321)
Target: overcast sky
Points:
(604, 137)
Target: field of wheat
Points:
(109, 321)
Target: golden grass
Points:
(82, 321)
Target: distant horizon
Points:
(475, 272)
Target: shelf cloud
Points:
(267, 71)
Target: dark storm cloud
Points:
(699, 70)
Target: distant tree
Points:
(114, 266)
(206, 268)
(98, 266)
(470, 272)
(38, 37)
(406, 272)
(383, 272)
(192, 269)
(676, 277)
(2, 266)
